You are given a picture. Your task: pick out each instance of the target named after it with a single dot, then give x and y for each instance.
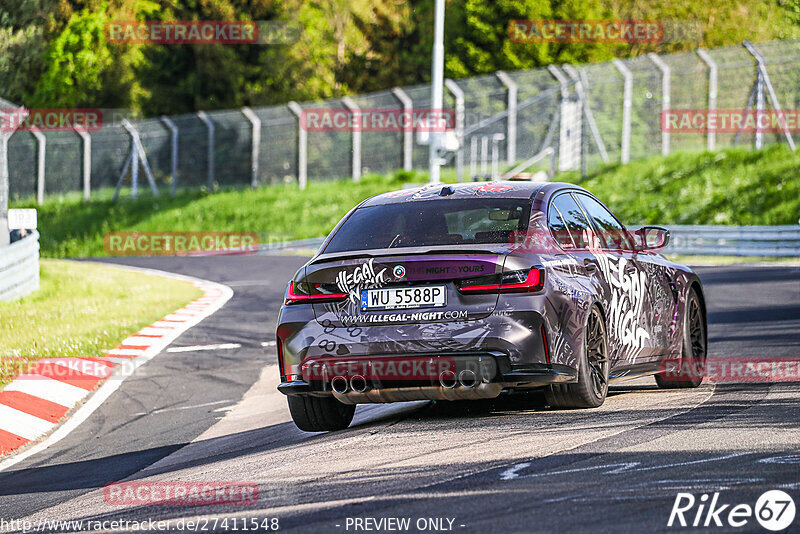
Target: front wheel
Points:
(592, 387)
(320, 414)
(688, 372)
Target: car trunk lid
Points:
(443, 269)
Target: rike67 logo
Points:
(774, 510)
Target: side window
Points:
(612, 233)
(577, 227)
(559, 229)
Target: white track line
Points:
(222, 294)
(193, 348)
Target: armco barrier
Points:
(19, 268)
(782, 241)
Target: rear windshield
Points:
(432, 222)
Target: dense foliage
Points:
(55, 52)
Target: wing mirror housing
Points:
(650, 238)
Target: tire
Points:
(691, 366)
(320, 414)
(592, 387)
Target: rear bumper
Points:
(494, 375)
(515, 334)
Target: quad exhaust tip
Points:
(467, 378)
(358, 384)
(339, 385)
(447, 379)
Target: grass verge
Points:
(70, 227)
(736, 187)
(82, 309)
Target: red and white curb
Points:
(36, 402)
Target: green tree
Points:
(81, 68)
(483, 44)
(25, 27)
(399, 39)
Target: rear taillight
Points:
(297, 293)
(524, 281)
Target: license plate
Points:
(403, 297)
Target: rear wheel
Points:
(592, 387)
(688, 372)
(320, 414)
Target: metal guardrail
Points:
(19, 268)
(711, 240)
(780, 241)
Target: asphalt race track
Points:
(507, 465)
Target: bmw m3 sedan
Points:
(469, 291)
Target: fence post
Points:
(302, 145)
(210, 126)
(138, 148)
(580, 87)
(473, 157)
(41, 152)
(86, 141)
(562, 80)
(408, 133)
(565, 152)
(4, 186)
(173, 135)
(511, 107)
(136, 156)
(665, 98)
(713, 70)
(762, 81)
(255, 122)
(355, 136)
(453, 87)
(627, 104)
(496, 138)
(484, 155)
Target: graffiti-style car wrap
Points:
(467, 291)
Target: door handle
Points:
(630, 269)
(589, 265)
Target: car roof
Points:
(499, 189)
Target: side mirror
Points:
(650, 238)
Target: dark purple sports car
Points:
(467, 291)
